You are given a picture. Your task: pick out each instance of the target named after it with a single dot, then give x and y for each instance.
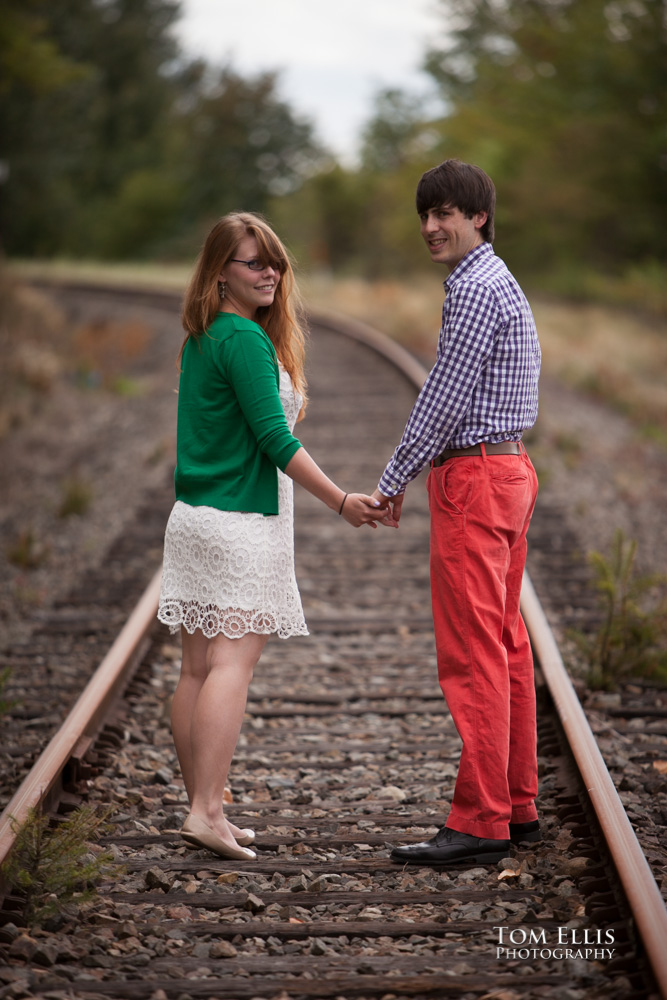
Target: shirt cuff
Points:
(389, 487)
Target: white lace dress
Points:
(232, 572)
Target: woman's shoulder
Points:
(226, 324)
(238, 333)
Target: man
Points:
(468, 422)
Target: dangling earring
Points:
(222, 288)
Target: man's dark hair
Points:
(459, 185)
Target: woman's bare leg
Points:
(207, 714)
(190, 683)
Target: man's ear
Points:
(479, 219)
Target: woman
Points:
(228, 578)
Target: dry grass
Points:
(409, 312)
(40, 348)
(104, 349)
(619, 357)
(142, 275)
(31, 331)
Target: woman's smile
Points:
(246, 289)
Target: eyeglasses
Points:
(257, 265)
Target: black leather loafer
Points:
(449, 847)
(525, 833)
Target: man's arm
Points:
(471, 325)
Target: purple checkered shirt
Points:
(483, 386)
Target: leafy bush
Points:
(27, 551)
(632, 639)
(77, 498)
(6, 704)
(51, 867)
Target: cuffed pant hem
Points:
(524, 814)
(492, 831)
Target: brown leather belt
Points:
(502, 448)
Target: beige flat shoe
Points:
(196, 832)
(246, 837)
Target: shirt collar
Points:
(467, 262)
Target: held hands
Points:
(392, 507)
(358, 509)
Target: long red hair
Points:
(282, 320)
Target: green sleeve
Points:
(251, 368)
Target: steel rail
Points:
(78, 731)
(86, 718)
(640, 888)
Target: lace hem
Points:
(231, 622)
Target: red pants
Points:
(480, 510)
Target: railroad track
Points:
(347, 748)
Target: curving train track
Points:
(347, 748)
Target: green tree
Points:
(565, 104)
(241, 144)
(395, 133)
(33, 69)
(363, 221)
(28, 58)
(115, 146)
(70, 142)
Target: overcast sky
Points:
(332, 57)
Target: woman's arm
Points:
(357, 509)
(251, 367)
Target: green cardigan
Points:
(232, 431)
